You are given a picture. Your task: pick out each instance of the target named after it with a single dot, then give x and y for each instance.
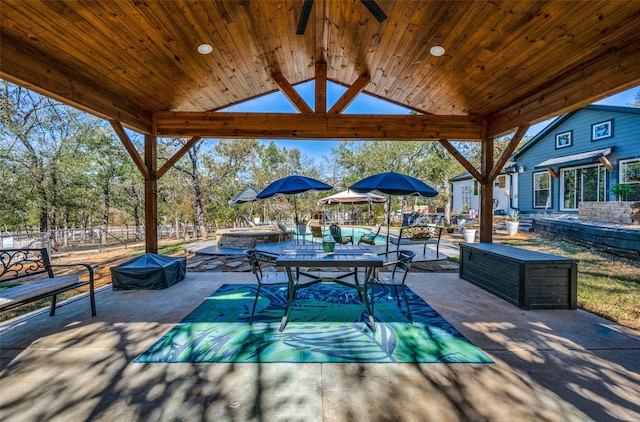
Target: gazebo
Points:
(471, 71)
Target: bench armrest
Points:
(88, 267)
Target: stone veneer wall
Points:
(622, 212)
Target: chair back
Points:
(258, 260)
(246, 218)
(316, 231)
(403, 265)
(336, 233)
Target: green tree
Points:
(636, 100)
(38, 137)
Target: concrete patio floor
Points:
(551, 365)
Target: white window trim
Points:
(534, 189)
(621, 172)
(561, 182)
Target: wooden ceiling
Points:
(506, 64)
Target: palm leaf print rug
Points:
(328, 324)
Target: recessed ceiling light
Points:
(437, 50)
(205, 49)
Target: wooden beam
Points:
(552, 172)
(573, 90)
(317, 126)
(606, 163)
(351, 93)
(461, 159)
(513, 144)
(486, 192)
(131, 149)
(292, 95)
(321, 37)
(151, 195)
(35, 70)
(178, 155)
(321, 88)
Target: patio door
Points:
(582, 184)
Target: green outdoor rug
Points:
(328, 324)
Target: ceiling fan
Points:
(371, 5)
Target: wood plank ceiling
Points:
(507, 63)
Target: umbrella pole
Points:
(353, 223)
(389, 221)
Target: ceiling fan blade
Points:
(304, 16)
(374, 9)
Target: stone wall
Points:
(621, 212)
(618, 241)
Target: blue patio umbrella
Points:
(292, 185)
(393, 183)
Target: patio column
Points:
(486, 192)
(150, 195)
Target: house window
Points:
(502, 183)
(541, 189)
(630, 173)
(582, 184)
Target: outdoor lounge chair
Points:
(248, 220)
(369, 238)
(401, 264)
(336, 232)
(259, 260)
(316, 232)
(285, 232)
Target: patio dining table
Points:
(348, 257)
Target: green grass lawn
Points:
(607, 286)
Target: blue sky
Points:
(363, 104)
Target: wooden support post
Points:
(131, 149)
(351, 93)
(321, 88)
(150, 195)
(486, 192)
(465, 163)
(290, 93)
(176, 157)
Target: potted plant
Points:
(621, 190)
(513, 222)
(470, 229)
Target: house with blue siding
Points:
(579, 157)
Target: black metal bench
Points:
(21, 281)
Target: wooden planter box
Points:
(528, 279)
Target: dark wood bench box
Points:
(528, 279)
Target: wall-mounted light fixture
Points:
(521, 169)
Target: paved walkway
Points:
(551, 365)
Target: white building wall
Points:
(465, 198)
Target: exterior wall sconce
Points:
(521, 169)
